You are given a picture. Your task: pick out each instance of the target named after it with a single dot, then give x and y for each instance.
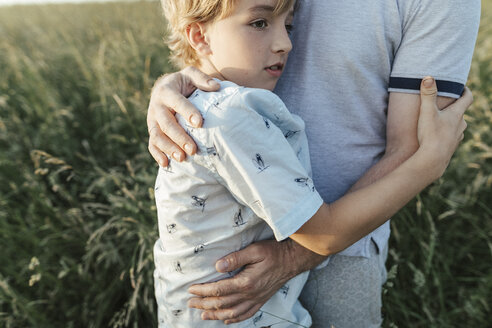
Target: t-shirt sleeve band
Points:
(443, 87)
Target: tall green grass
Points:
(77, 220)
(77, 215)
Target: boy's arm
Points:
(338, 225)
(401, 135)
(265, 272)
(236, 299)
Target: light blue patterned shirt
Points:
(250, 181)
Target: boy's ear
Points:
(197, 39)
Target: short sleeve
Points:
(438, 40)
(256, 163)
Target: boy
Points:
(201, 203)
(252, 167)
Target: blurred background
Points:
(77, 214)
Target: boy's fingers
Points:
(199, 79)
(463, 103)
(463, 127)
(467, 96)
(428, 100)
(428, 91)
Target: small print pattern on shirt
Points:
(217, 202)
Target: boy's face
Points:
(250, 46)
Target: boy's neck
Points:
(207, 68)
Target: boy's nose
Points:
(281, 42)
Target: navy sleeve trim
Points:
(414, 84)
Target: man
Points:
(353, 76)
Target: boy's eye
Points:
(259, 24)
(289, 28)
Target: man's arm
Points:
(262, 260)
(236, 299)
(268, 265)
(232, 302)
(168, 96)
(401, 135)
(336, 226)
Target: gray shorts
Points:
(347, 292)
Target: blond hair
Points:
(180, 14)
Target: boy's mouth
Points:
(275, 70)
(276, 67)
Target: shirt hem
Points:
(300, 214)
(442, 94)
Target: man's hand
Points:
(168, 97)
(268, 265)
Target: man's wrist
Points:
(299, 259)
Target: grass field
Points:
(77, 220)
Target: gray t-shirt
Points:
(347, 55)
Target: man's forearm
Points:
(300, 259)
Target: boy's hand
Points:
(440, 132)
(168, 97)
(268, 265)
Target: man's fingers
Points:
(228, 314)
(158, 156)
(214, 303)
(165, 145)
(251, 312)
(200, 80)
(170, 94)
(238, 259)
(214, 289)
(186, 109)
(176, 133)
(169, 134)
(166, 134)
(168, 98)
